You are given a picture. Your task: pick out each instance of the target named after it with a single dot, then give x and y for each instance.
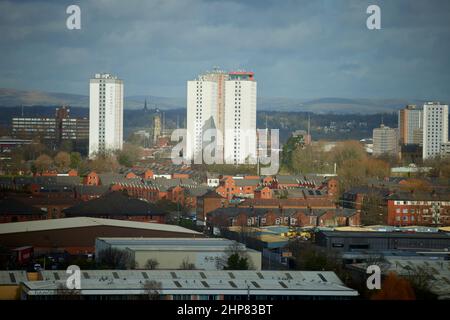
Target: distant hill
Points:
(336, 105)
(12, 97)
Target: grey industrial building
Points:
(350, 240)
(170, 253)
(190, 285)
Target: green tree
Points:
(235, 258)
(236, 262)
(66, 145)
(129, 155)
(75, 160)
(292, 146)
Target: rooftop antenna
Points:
(22, 110)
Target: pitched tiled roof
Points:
(164, 184)
(420, 196)
(289, 202)
(212, 194)
(197, 191)
(107, 179)
(246, 182)
(11, 206)
(91, 190)
(287, 179)
(251, 212)
(113, 203)
(52, 180)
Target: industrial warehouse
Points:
(178, 285)
(169, 253)
(77, 235)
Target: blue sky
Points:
(297, 49)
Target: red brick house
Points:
(180, 176)
(259, 217)
(92, 179)
(148, 174)
(263, 193)
(131, 175)
(209, 202)
(418, 208)
(230, 187)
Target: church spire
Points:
(145, 105)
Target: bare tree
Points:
(152, 289)
(65, 293)
(186, 265)
(62, 160)
(379, 260)
(43, 162)
(422, 281)
(116, 259)
(373, 209)
(151, 264)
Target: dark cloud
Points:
(305, 49)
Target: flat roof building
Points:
(349, 240)
(435, 128)
(385, 141)
(54, 131)
(204, 253)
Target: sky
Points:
(297, 49)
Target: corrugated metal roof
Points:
(200, 282)
(12, 277)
